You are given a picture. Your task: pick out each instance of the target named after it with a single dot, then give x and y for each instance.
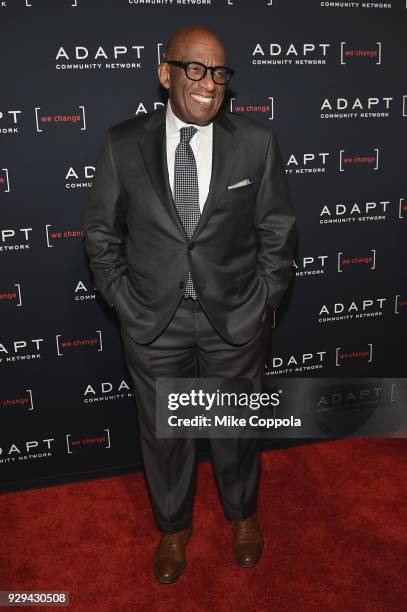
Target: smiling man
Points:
(194, 100)
(190, 233)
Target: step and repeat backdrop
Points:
(330, 77)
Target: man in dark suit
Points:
(190, 233)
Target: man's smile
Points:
(204, 100)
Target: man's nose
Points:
(207, 82)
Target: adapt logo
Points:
(106, 391)
(84, 293)
(169, 3)
(15, 239)
(357, 108)
(143, 108)
(296, 363)
(79, 178)
(20, 350)
(26, 451)
(314, 53)
(81, 57)
(359, 212)
(290, 53)
(307, 163)
(331, 4)
(310, 265)
(10, 121)
(361, 308)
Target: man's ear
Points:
(163, 75)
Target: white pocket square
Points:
(241, 183)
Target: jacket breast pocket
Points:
(244, 280)
(245, 191)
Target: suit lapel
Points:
(224, 150)
(154, 151)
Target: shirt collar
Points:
(174, 124)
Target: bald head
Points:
(193, 101)
(183, 37)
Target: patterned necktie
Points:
(186, 194)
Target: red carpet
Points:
(334, 519)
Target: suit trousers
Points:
(190, 347)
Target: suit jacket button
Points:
(191, 245)
(181, 284)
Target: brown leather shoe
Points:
(169, 558)
(247, 541)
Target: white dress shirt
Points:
(201, 144)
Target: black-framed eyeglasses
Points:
(195, 71)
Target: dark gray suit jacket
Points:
(240, 255)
